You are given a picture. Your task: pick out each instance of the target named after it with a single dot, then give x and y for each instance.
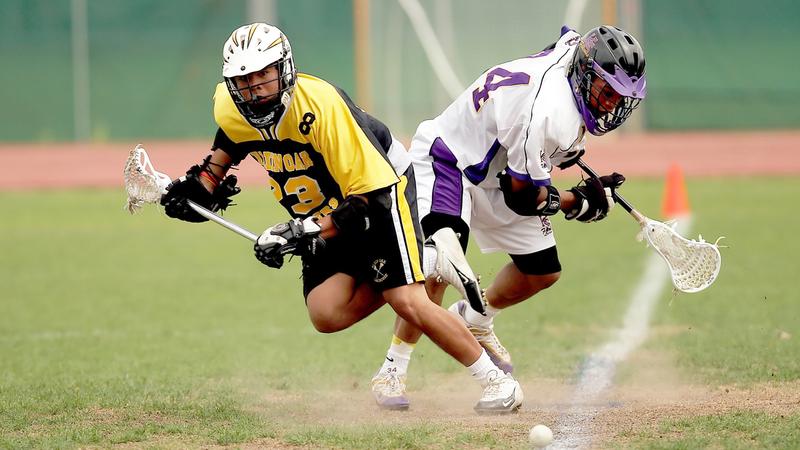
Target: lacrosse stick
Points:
(694, 265)
(146, 185)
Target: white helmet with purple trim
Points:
(253, 48)
(607, 78)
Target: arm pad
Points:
(352, 216)
(524, 201)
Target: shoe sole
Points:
(394, 407)
(447, 238)
(518, 398)
(496, 412)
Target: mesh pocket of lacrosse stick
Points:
(143, 183)
(694, 265)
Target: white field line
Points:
(597, 372)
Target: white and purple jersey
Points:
(519, 116)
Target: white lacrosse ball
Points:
(540, 436)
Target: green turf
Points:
(735, 430)
(732, 332)
(140, 329)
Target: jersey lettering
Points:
(288, 162)
(506, 78)
(296, 184)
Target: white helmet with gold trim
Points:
(257, 48)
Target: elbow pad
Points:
(352, 216)
(524, 201)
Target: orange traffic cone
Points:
(676, 200)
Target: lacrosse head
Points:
(694, 265)
(143, 183)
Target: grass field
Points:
(141, 332)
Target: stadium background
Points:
(144, 69)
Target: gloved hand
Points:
(296, 237)
(596, 197)
(189, 187)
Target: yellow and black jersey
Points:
(322, 150)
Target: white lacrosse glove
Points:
(296, 237)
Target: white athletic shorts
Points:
(443, 188)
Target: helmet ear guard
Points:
(609, 62)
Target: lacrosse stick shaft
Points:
(618, 198)
(219, 220)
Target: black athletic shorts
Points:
(387, 255)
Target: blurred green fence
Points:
(722, 63)
(151, 65)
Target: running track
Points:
(69, 165)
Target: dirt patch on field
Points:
(648, 392)
(649, 395)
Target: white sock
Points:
(428, 260)
(475, 318)
(483, 368)
(398, 356)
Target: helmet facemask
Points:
(260, 110)
(607, 107)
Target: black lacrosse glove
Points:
(570, 159)
(296, 237)
(189, 187)
(595, 197)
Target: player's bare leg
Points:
(511, 286)
(502, 393)
(444, 264)
(409, 333)
(411, 302)
(388, 384)
(338, 303)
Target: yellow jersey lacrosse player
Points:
(348, 186)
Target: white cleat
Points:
(453, 268)
(389, 390)
(486, 337)
(502, 395)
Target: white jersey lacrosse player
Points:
(483, 165)
(513, 119)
